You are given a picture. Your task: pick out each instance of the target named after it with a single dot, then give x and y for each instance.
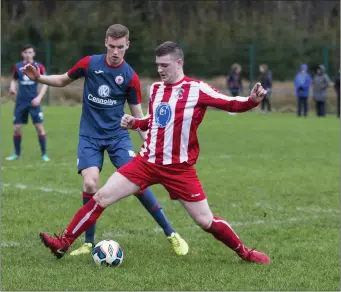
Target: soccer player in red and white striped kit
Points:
(177, 105)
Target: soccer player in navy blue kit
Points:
(27, 101)
(109, 83)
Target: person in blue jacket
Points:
(302, 84)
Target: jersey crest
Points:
(119, 79)
(163, 114)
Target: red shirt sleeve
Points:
(209, 96)
(42, 69)
(80, 69)
(15, 73)
(141, 124)
(134, 95)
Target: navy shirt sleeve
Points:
(15, 73)
(80, 69)
(134, 95)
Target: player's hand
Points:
(31, 71)
(127, 121)
(36, 101)
(12, 91)
(257, 93)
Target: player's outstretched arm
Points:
(211, 97)
(56, 80)
(53, 80)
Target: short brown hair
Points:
(169, 48)
(117, 31)
(27, 46)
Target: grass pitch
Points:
(275, 178)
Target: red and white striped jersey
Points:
(174, 114)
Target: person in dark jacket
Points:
(321, 82)
(265, 79)
(234, 80)
(302, 84)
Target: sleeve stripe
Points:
(214, 94)
(78, 70)
(135, 95)
(42, 69)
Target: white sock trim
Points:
(228, 225)
(84, 219)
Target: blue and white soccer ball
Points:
(107, 253)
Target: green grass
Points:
(275, 178)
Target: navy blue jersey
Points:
(27, 89)
(106, 89)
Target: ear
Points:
(128, 44)
(180, 62)
(105, 42)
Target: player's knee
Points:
(40, 132)
(204, 221)
(40, 129)
(90, 184)
(100, 199)
(104, 198)
(17, 129)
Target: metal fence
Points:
(58, 58)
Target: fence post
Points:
(252, 64)
(325, 54)
(48, 67)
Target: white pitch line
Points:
(39, 165)
(265, 204)
(107, 162)
(133, 233)
(11, 244)
(311, 209)
(43, 189)
(233, 224)
(317, 210)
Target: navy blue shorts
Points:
(91, 152)
(21, 114)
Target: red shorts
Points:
(181, 181)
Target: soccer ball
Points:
(108, 253)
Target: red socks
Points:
(87, 195)
(222, 231)
(83, 219)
